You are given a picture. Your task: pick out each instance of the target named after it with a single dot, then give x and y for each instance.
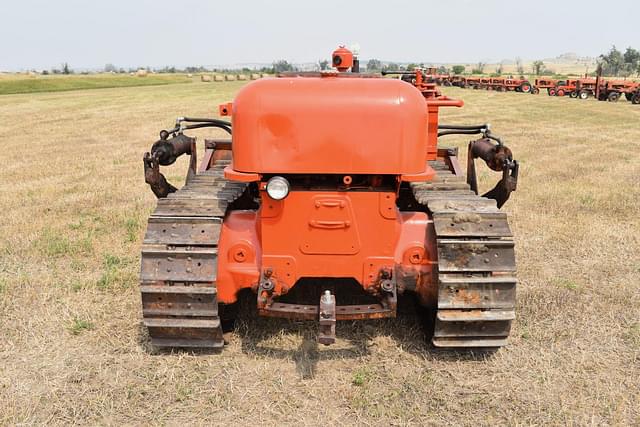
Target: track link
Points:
(476, 263)
(179, 262)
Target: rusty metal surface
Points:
(311, 312)
(384, 289)
(476, 265)
(179, 262)
(152, 176)
(469, 205)
(222, 144)
(475, 315)
(179, 300)
(471, 224)
(498, 158)
(462, 292)
(205, 207)
(503, 189)
(183, 230)
(488, 256)
(446, 185)
(493, 155)
(168, 150)
(465, 327)
(425, 196)
(170, 332)
(206, 194)
(165, 152)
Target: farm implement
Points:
(329, 202)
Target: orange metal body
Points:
(342, 59)
(324, 234)
(330, 125)
(313, 127)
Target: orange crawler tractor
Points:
(330, 200)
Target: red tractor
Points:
(330, 200)
(545, 83)
(519, 84)
(612, 90)
(565, 87)
(588, 87)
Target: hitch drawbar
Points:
(327, 328)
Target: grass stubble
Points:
(74, 207)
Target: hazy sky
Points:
(89, 34)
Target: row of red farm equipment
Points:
(500, 84)
(584, 88)
(581, 88)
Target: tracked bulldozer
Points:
(327, 181)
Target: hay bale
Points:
(265, 75)
(242, 77)
(230, 77)
(205, 78)
(218, 78)
(189, 75)
(141, 73)
(255, 76)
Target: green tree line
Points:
(617, 63)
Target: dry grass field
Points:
(73, 206)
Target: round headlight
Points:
(277, 188)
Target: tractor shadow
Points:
(296, 341)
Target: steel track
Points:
(179, 262)
(476, 263)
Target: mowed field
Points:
(73, 206)
(22, 83)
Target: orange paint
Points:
(321, 234)
(320, 132)
(342, 59)
(330, 125)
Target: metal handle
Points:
(331, 225)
